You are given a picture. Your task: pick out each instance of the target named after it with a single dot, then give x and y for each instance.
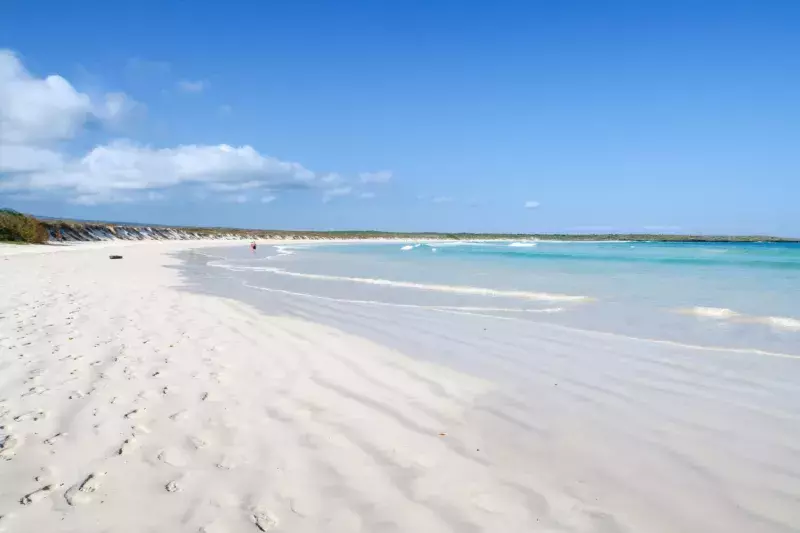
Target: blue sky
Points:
(605, 116)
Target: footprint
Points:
(172, 457)
(55, 438)
(134, 413)
(127, 446)
(30, 415)
(46, 474)
(264, 520)
(82, 492)
(8, 446)
(226, 464)
(180, 415)
(37, 495)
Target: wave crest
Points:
(718, 313)
(710, 312)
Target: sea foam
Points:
(457, 289)
(710, 312)
(778, 322)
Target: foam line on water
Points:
(467, 311)
(446, 308)
(456, 289)
(709, 312)
(780, 322)
(718, 313)
(284, 250)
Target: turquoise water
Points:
(744, 295)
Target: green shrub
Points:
(17, 227)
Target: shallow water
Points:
(739, 295)
(616, 405)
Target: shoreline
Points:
(146, 384)
(57, 230)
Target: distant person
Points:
(253, 246)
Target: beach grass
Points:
(16, 227)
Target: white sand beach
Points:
(129, 404)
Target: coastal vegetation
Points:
(18, 227)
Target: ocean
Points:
(736, 295)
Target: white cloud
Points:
(24, 158)
(532, 204)
(381, 176)
(42, 110)
(366, 195)
(34, 109)
(188, 86)
(230, 187)
(268, 198)
(37, 113)
(125, 166)
(330, 194)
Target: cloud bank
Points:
(39, 116)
